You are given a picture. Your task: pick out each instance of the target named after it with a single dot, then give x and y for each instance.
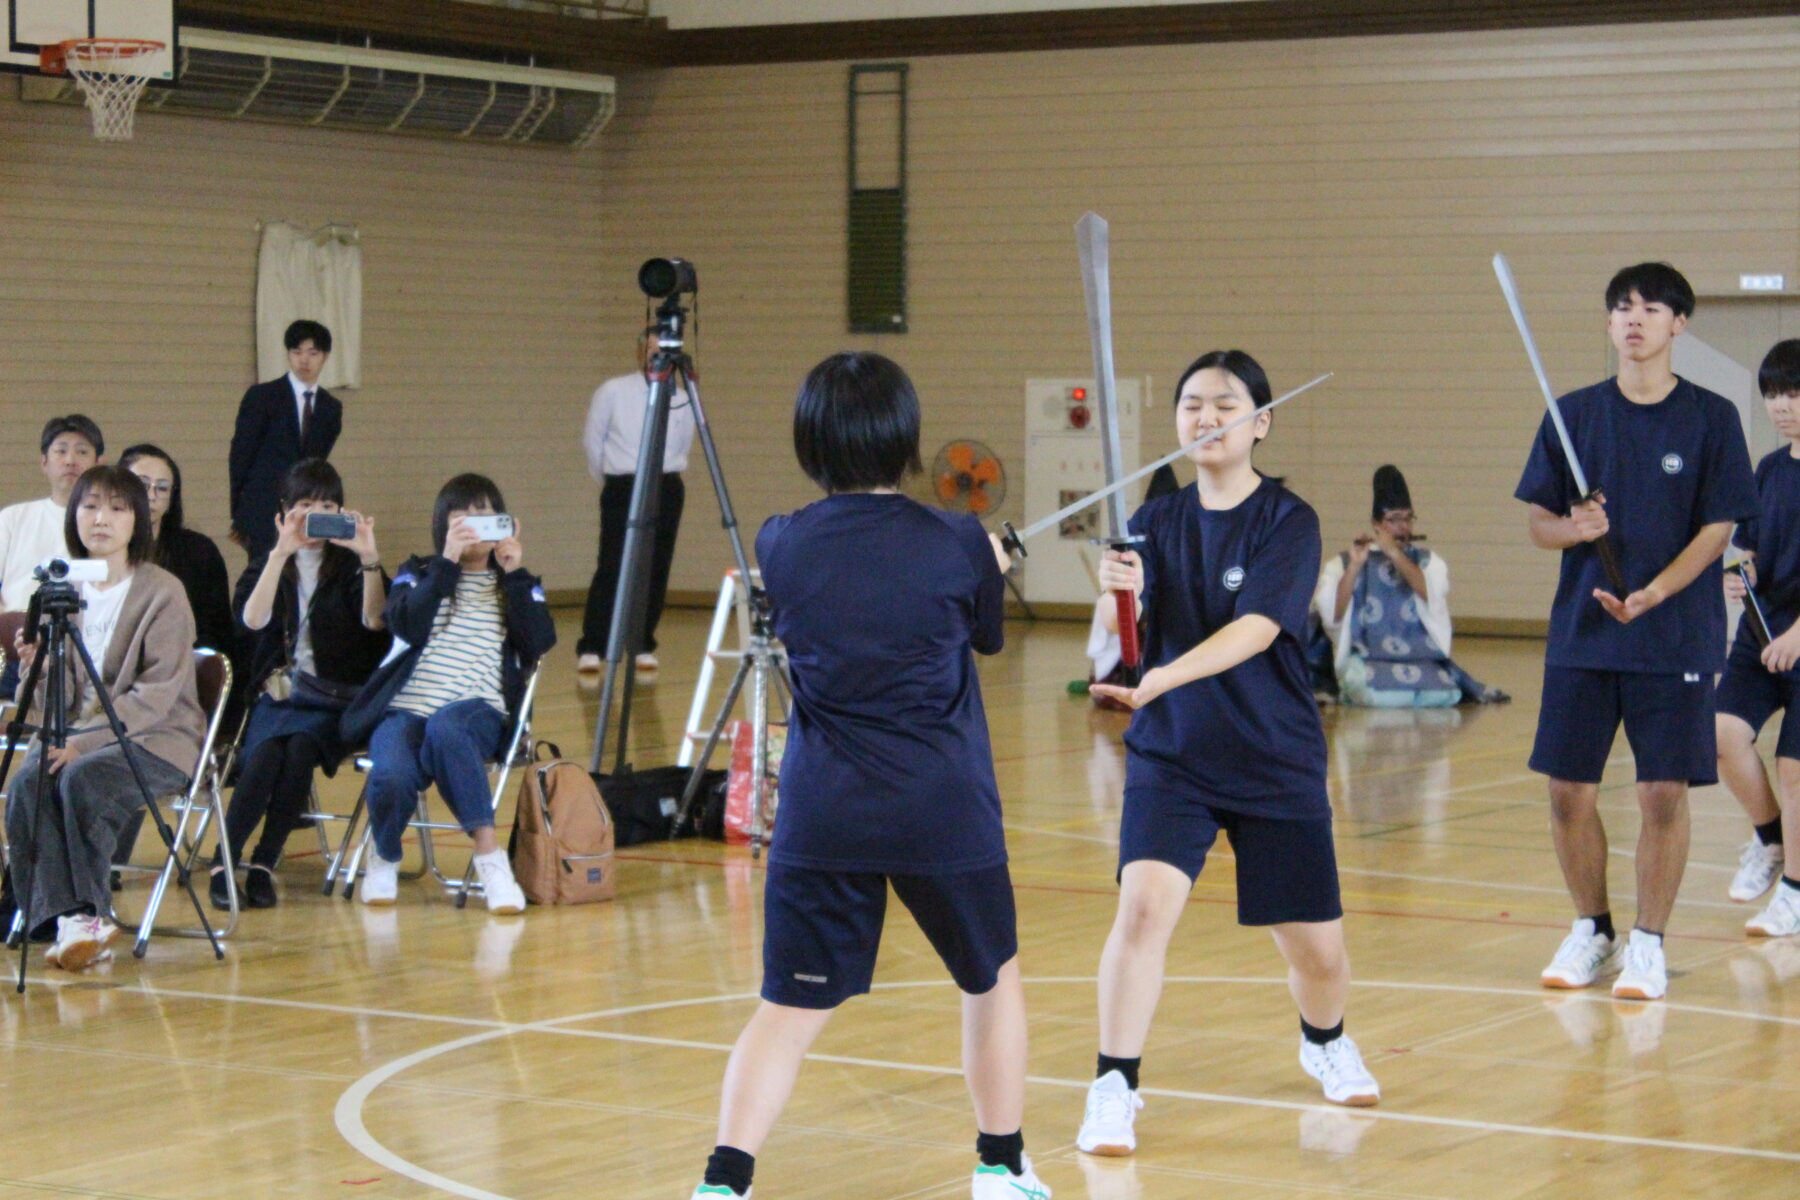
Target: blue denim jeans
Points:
(451, 748)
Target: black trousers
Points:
(275, 788)
(615, 509)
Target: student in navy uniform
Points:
(1758, 680)
(1672, 472)
(887, 776)
(1227, 737)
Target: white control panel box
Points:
(1062, 464)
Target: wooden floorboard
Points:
(424, 1051)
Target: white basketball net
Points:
(110, 74)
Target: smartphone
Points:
(328, 526)
(489, 527)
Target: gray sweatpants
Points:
(61, 849)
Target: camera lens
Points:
(660, 278)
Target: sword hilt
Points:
(1010, 541)
(1753, 613)
(1609, 554)
(1130, 652)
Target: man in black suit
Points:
(278, 424)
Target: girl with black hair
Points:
(188, 554)
(470, 623)
(138, 629)
(1226, 737)
(887, 779)
(317, 633)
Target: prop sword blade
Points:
(1753, 611)
(1093, 246)
(1014, 539)
(1609, 559)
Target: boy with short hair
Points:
(1758, 679)
(1671, 475)
(33, 531)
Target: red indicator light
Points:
(1078, 393)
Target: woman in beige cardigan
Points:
(139, 630)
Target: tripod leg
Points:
(24, 866)
(759, 755)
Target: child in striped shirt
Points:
(469, 623)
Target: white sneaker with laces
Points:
(81, 942)
(1781, 918)
(381, 882)
(1338, 1065)
(998, 1183)
(1645, 975)
(1758, 867)
(504, 896)
(716, 1191)
(1106, 1127)
(1583, 957)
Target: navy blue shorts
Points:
(1749, 692)
(821, 929)
(1668, 721)
(1286, 869)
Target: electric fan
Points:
(966, 477)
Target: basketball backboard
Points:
(32, 24)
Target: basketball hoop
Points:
(110, 73)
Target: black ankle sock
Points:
(1655, 933)
(1603, 925)
(1793, 883)
(730, 1167)
(1319, 1037)
(1128, 1067)
(1769, 834)
(1002, 1150)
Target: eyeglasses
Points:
(157, 487)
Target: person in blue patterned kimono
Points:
(1385, 602)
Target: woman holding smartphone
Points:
(315, 615)
(473, 622)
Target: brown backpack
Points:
(562, 839)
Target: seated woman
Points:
(140, 632)
(1385, 602)
(188, 554)
(470, 623)
(316, 617)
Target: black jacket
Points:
(344, 650)
(192, 557)
(423, 583)
(265, 444)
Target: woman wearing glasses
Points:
(186, 553)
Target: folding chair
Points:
(346, 864)
(11, 623)
(195, 809)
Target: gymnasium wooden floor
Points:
(422, 1051)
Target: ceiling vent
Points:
(378, 91)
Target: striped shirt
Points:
(462, 659)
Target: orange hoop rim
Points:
(84, 51)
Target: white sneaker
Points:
(1645, 975)
(1781, 918)
(381, 882)
(646, 664)
(81, 942)
(1583, 957)
(717, 1191)
(1339, 1066)
(1758, 867)
(998, 1183)
(588, 664)
(504, 896)
(1106, 1126)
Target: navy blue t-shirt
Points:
(879, 601)
(1667, 469)
(1773, 535)
(1248, 739)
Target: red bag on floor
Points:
(737, 786)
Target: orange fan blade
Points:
(986, 471)
(946, 487)
(979, 502)
(960, 455)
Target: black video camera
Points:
(661, 278)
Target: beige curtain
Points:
(312, 273)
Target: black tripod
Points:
(55, 602)
(669, 367)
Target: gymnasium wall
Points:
(1327, 205)
(128, 283)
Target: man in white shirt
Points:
(614, 432)
(33, 531)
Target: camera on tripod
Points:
(61, 570)
(56, 579)
(662, 278)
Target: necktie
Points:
(306, 413)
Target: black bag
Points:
(644, 804)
